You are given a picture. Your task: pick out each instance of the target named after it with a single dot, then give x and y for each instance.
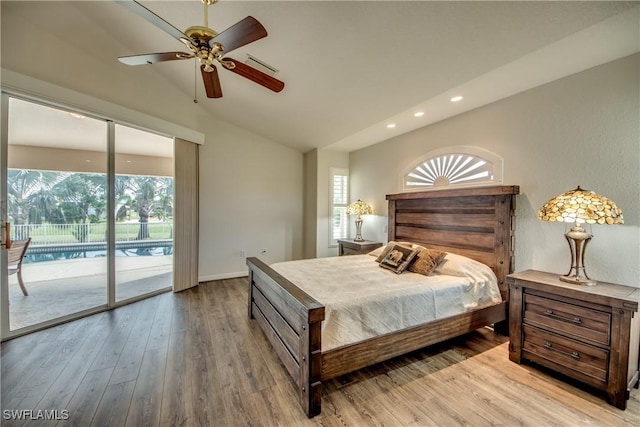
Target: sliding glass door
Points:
(89, 204)
(56, 201)
(143, 212)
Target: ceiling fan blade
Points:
(152, 58)
(152, 18)
(239, 34)
(211, 82)
(254, 75)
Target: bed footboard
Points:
(291, 320)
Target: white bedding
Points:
(363, 300)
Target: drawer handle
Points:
(575, 320)
(574, 354)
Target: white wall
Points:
(250, 199)
(318, 164)
(310, 211)
(579, 130)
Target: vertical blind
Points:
(185, 240)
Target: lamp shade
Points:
(581, 206)
(359, 208)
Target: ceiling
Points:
(59, 128)
(353, 67)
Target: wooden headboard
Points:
(475, 222)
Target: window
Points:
(454, 166)
(338, 202)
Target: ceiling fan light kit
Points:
(209, 47)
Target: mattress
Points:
(363, 300)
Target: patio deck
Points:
(58, 288)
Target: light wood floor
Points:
(194, 359)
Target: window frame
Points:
(344, 224)
(492, 166)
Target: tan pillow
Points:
(426, 261)
(377, 251)
(388, 248)
(398, 258)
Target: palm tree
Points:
(81, 200)
(29, 197)
(147, 195)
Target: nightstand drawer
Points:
(350, 251)
(580, 322)
(351, 247)
(584, 359)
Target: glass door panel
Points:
(56, 200)
(143, 212)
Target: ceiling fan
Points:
(208, 46)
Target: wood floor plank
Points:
(177, 399)
(123, 320)
(161, 328)
(33, 390)
(84, 403)
(179, 315)
(16, 349)
(558, 399)
(275, 404)
(67, 382)
(114, 405)
(207, 400)
(128, 365)
(71, 340)
(195, 359)
(19, 369)
(198, 338)
(146, 402)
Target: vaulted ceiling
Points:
(350, 67)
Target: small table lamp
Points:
(580, 206)
(359, 208)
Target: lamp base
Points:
(578, 239)
(578, 280)
(358, 230)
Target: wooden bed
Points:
(474, 222)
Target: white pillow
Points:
(461, 266)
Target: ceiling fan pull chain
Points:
(195, 82)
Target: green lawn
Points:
(68, 233)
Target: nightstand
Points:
(588, 333)
(350, 247)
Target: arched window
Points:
(454, 166)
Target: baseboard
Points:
(223, 276)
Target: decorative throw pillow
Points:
(426, 261)
(398, 258)
(377, 251)
(389, 247)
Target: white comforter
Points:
(363, 300)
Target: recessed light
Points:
(456, 98)
(391, 125)
(418, 114)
